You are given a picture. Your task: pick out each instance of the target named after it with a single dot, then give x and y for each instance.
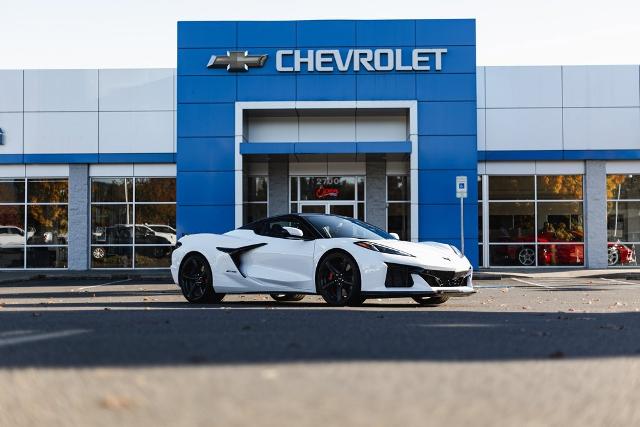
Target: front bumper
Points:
(393, 279)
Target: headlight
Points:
(381, 248)
(456, 251)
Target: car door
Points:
(284, 263)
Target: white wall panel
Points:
(559, 168)
(601, 128)
(44, 171)
(136, 132)
(272, 129)
(601, 86)
(481, 130)
(482, 168)
(381, 127)
(12, 171)
(623, 166)
(61, 90)
(308, 168)
(346, 168)
(512, 87)
(327, 129)
(135, 90)
(524, 129)
(11, 125)
(53, 133)
(510, 168)
(154, 169)
(109, 170)
(480, 101)
(10, 90)
(397, 167)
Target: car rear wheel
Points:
(287, 297)
(196, 280)
(431, 301)
(613, 257)
(338, 279)
(98, 253)
(527, 257)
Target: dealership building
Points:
(377, 120)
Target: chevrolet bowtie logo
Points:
(237, 61)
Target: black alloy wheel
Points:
(287, 297)
(196, 280)
(431, 301)
(338, 280)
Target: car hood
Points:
(431, 254)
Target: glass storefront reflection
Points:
(12, 226)
(47, 257)
(33, 223)
(12, 190)
(511, 222)
(112, 190)
(153, 256)
(560, 222)
(47, 224)
(327, 188)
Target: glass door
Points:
(344, 210)
(313, 208)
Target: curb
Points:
(138, 276)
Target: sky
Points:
(142, 33)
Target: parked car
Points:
(11, 235)
(342, 259)
(620, 254)
(121, 234)
(165, 231)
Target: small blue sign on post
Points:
(461, 193)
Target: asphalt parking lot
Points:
(519, 352)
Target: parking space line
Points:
(532, 283)
(102, 284)
(623, 282)
(4, 342)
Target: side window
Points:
(275, 228)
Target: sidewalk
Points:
(161, 276)
(556, 273)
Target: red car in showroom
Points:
(552, 253)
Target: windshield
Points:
(162, 229)
(337, 226)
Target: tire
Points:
(431, 301)
(98, 253)
(287, 297)
(338, 279)
(527, 257)
(613, 256)
(196, 280)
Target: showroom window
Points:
(133, 222)
(536, 220)
(623, 219)
(338, 195)
(33, 223)
(399, 206)
(256, 198)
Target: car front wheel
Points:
(338, 279)
(196, 280)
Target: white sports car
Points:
(342, 259)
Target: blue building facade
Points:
(427, 66)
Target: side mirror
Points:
(294, 232)
(395, 236)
